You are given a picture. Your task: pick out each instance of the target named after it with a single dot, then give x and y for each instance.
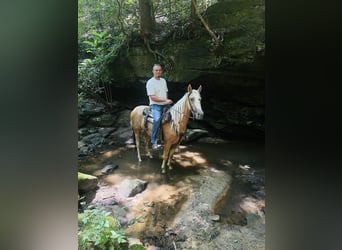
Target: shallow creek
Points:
(164, 196)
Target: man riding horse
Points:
(157, 92)
(173, 128)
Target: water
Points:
(243, 160)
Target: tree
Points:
(147, 20)
(193, 16)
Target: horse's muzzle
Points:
(198, 115)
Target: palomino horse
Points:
(172, 130)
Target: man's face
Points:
(157, 71)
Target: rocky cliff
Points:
(232, 75)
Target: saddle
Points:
(148, 117)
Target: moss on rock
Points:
(86, 182)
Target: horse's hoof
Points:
(163, 171)
(170, 168)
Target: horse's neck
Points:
(185, 117)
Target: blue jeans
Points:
(157, 111)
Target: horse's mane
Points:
(177, 112)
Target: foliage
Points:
(174, 11)
(97, 230)
(136, 247)
(110, 15)
(103, 27)
(93, 74)
(133, 220)
(102, 47)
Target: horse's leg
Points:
(147, 148)
(137, 142)
(166, 153)
(172, 151)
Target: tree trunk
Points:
(193, 16)
(147, 21)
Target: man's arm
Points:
(158, 99)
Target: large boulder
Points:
(241, 27)
(130, 188)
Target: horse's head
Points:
(195, 102)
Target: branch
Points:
(120, 18)
(156, 53)
(218, 42)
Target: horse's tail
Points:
(145, 114)
(138, 121)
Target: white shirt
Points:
(157, 88)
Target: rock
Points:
(91, 107)
(260, 194)
(105, 132)
(109, 168)
(89, 138)
(241, 36)
(123, 119)
(253, 220)
(123, 220)
(212, 140)
(129, 188)
(134, 241)
(83, 131)
(215, 217)
(194, 134)
(82, 120)
(86, 182)
(85, 150)
(107, 203)
(94, 139)
(103, 120)
(121, 134)
(81, 144)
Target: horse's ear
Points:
(189, 88)
(199, 89)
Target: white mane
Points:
(177, 112)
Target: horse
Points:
(173, 130)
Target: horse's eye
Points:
(192, 99)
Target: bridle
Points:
(192, 116)
(191, 107)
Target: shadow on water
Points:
(244, 161)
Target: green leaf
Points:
(103, 33)
(88, 42)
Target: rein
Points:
(191, 108)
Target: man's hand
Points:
(158, 99)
